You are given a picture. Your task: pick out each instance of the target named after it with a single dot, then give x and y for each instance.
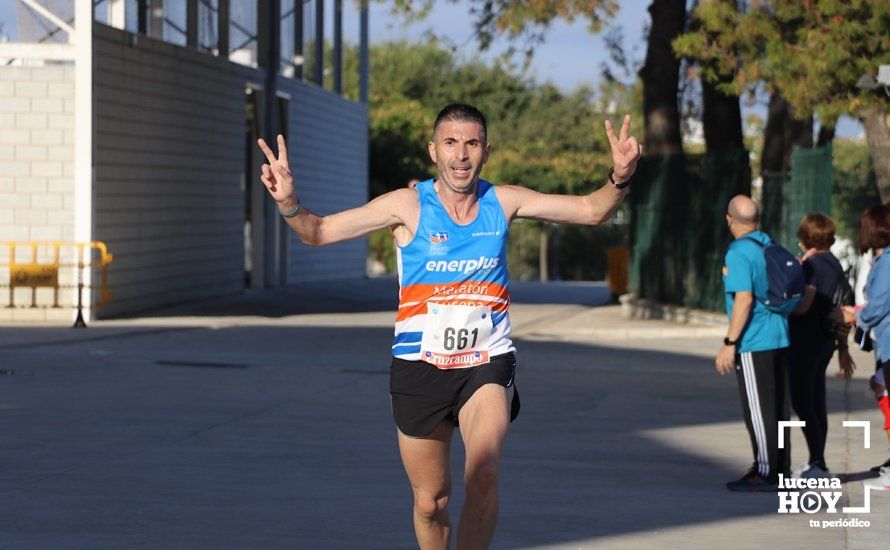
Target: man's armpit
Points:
(508, 197)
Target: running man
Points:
(453, 361)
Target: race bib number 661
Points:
(456, 336)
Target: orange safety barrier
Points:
(36, 274)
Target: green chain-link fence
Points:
(678, 225)
(788, 197)
(678, 228)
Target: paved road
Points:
(263, 421)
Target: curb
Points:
(641, 308)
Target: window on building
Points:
(208, 30)
(243, 31)
(288, 15)
(308, 39)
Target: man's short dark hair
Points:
(459, 112)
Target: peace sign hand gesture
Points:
(276, 175)
(625, 151)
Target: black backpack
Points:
(843, 294)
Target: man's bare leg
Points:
(484, 421)
(427, 462)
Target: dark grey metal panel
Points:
(329, 158)
(169, 154)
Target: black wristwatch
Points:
(728, 342)
(617, 185)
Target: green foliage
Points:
(541, 138)
(523, 249)
(399, 134)
(381, 247)
(854, 187)
(520, 21)
(813, 51)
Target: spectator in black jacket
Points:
(812, 343)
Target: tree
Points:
(782, 133)
(661, 78)
(721, 112)
(812, 53)
(521, 21)
(526, 21)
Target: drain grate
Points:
(201, 364)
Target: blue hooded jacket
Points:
(876, 313)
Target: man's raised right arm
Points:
(384, 211)
(348, 224)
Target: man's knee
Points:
(481, 478)
(430, 505)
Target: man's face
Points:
(459, 151)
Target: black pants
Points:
(763, 387)
(806, 374)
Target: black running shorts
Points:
(424, 395)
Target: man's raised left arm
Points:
(591, 209)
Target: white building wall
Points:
(36, 173)
(329, 155)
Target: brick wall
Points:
(36, 169)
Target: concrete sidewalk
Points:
(263, 421)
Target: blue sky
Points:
(570, 55)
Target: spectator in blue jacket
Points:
(874, 317)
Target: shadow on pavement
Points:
(362, 295)
(134, 441)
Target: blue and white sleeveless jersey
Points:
(451, 264)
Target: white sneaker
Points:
(882, 482)
(799, 471)
(810, 471)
